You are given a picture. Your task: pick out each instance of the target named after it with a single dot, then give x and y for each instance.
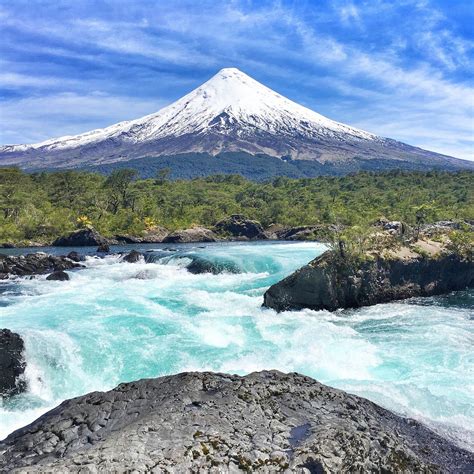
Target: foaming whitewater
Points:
(115, 322)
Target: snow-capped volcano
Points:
(231, 112)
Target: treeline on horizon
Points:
(41, 206)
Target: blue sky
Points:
(401, 69)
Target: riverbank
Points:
(231, 229)
(238, 228)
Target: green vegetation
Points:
(254, 167)
(41, 206)
(462, 243)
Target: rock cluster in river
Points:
(12, 364)
(206, 422)
(33, 264)
(331, 282)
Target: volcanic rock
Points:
(132, 257)
(58, 276)
(12, 364)
(206, 422)
(331, 282)
(33, 264)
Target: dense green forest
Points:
(41, 206)
(254, 167)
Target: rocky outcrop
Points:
(240, 227)
(33, 264)
(196, 234)
(331, 282)
(81, 238)
(445, 227)
(12, 364)
(155, 235)
(205, 422)
(392, 227)
(58, 276)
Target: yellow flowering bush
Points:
(149, 223)
(83, 221)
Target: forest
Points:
(39, 207)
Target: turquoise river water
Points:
(115, 322)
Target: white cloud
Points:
(18, 81)
(35, 119)
(374, 87)
(349, 13)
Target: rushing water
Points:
(115, 322)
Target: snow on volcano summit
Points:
(231, 112)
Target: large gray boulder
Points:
(206, 422)
(81, 238)
(196, 234)
(12, 364)
(330, 281)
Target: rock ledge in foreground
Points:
(206, 422)
(329, 282)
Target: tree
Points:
(118, 184)
(422, 214)
(162, 176)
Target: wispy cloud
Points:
(400, 69)
(349, 13)
(68, 114)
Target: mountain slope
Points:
(229, 113)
